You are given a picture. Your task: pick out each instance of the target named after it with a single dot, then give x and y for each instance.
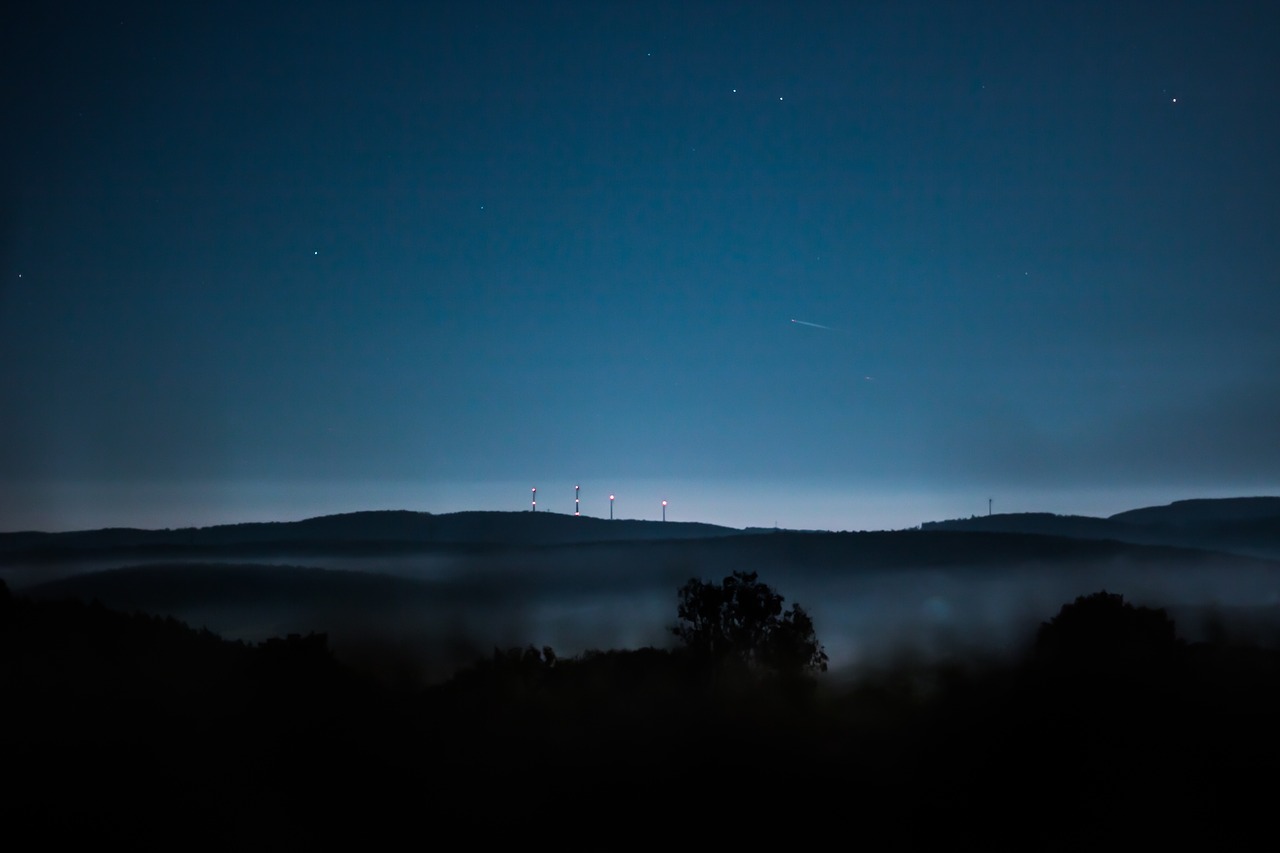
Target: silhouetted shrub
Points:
(1104, 625)
(1101, 636)
(741, 621)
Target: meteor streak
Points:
(813, 325)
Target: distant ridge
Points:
(382, 527)
(1042, 523)
(1203, 510)
(1245, 526)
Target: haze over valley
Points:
(424, 594)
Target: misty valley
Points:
(414, 649)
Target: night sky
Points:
(266, 261)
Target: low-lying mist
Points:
(418, 617)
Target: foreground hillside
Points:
(140, 730)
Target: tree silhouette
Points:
(741, 621)
(1104, 633)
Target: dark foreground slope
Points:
(134, 729)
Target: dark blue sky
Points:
(266, 263)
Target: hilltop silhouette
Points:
(378, 529)
(1246, 526)
(1204, 511)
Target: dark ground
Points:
(1110, 729)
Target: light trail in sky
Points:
(812, 325)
